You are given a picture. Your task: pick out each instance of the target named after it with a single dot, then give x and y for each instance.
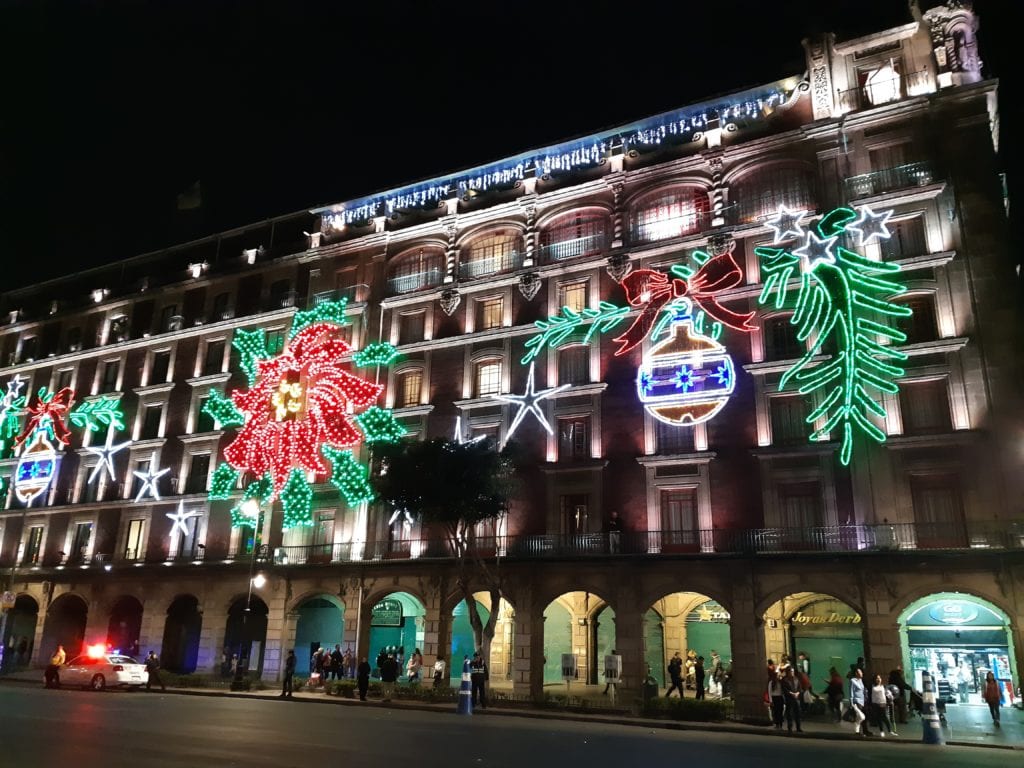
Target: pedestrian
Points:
(336, 660)
(289, 674)
(675, 674)
(803, 663)
(439, 669)
(415, 665)
(52, 674)
(858, 703)
(900, 693)
(320, 660)
(363, 678)
(614, 533)
(381, 658)
(23, 651)
(791, 699)
(153, 671)
(727, 679)
(776, 698)
(698, 677)
(834, 692)
(716, 673)
(859, 664)
(388, 676)
(609, 682)
(992, 697)
(346, 663)
(478, 676)
(880, 699)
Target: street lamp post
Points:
(250, 508)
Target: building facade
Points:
(662, 243)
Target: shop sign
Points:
(709, 612)
(953, 612)
(832, 617)
(387, 613)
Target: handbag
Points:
(808, 697)
(848, 714)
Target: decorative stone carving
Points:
(618, 266)
(529, 285)
(450, 300)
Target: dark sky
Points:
(109, 110)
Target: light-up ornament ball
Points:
(36, 468)
(686, 378)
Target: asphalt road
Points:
(54, 729)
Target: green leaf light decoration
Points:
(297, 501)
(223, 483)
(380, 426)
(98, 414)
(258, 491)
(349, 476)
(325, 312)
(252, 347)
(377, 353)
(221, 408)
(558, 329)
(844, 297)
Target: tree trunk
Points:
(483, 634)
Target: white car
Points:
(99, 672)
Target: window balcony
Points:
(474, 268)
(649, 229)
(416, 281)
(889, 179)
(590, 245)
(877, 91)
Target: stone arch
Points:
(572, 622)
(125, 625)
(65, 624)
(772, 190)
(245, 631)
(320, 621)
(182, 629)
(392, 633)
(778, 594)
(468, 235)
(677, 620)
(20, 638)
(669, 210)
(829, 629)
(461, 641)
(564, 209)
(664, 184)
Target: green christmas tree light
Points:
(326, 312)
(377, 353)
(222, 409)
(297, 501)
(98, 414)
(225, 477)
(558, 329)
(258, 491)
(380, 426)
(842, 297)
(349, 476)
(252, 347)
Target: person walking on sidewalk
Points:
(388, 676)
(153, 668)
(52, 674)
(880, 699)
(858, 702)
(776, 698)
(289, 673)
(791, 699)
(675, 673)
(834, 691)
(698, 677)
(992, 697)
(440, 667)
(363, 678)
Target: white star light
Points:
(407, 520)
(528, 403)
(871, 224)
(179, 518)
(786, 223)
(106, 456)
(149, 479)
(458, 434)
(816, 249)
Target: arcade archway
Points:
(580, 624)
(692, 624)
(179, 651)
(21, 632)
(125, 626)
(826, 630)
(246, 632)
(65, 625)
(397, 627)
(321, 624)
(463, 642)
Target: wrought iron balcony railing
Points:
(888, 179)
(416, 281)
(590, 245)
(473, 268)
(874, 93)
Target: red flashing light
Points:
(96, 651)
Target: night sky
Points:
(110, 110)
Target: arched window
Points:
(584, 233)
(417, 270)
(487, 377)
(408, 387)
(761, 192)
(497, 251)
(671, 213)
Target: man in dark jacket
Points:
(363, 678)
(478, 677)
(289, 673)
(336, 658)
(388, 676)
(791, 697)
(698, 676)
(675, 674)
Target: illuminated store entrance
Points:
(959, 638)
(396, 627)
(828, 631)
(580, 624)
(464, 644)
(694, 625)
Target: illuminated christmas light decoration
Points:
(349, 476)
(178, 519)
(258, 492)
(405, 515)
(686, 378)
(380, 426)
(560, 328)
(816, 250)
(222, 410)
(252, 347)
(332, 312)
(48, 413)
(842, 300)
(459, 438)
(150, 478)
(377, 353)
(528, 402)
(786, 224)
(225, 478)
(871, 225)
(297, 501)
(105, 453)
(37, 465)
(99, 413)
(12, 406)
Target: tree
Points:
(453, 487)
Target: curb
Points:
(668, 725)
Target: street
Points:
(44, 729)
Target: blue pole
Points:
(932, 728)
(466, 689)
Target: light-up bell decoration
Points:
(686, 378)
(37, 467)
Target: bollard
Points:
(466, 690)
(932, 728)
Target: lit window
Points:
(573, 296)
(490, 314)
(497, 252)
(410, 383)
(417, 270)
(575, 235)
(488, 378)
(675, 214)
(574, 438)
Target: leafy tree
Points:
(453, 487)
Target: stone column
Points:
(530, 236)
(749, 679)
(528, 664)
(151, 631)
(629, 642)
(211, 636)
(277, 641)
(97, 622)
(618, 223)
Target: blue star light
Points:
(721, 375)
(684, 379)
(646, 382)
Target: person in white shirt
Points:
(880, 699)
(857, 703)
(439, 669)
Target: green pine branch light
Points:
(99, 413)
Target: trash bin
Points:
(650, 690)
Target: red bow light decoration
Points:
(651, 290)
(53, 408)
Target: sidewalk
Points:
(967, 725)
